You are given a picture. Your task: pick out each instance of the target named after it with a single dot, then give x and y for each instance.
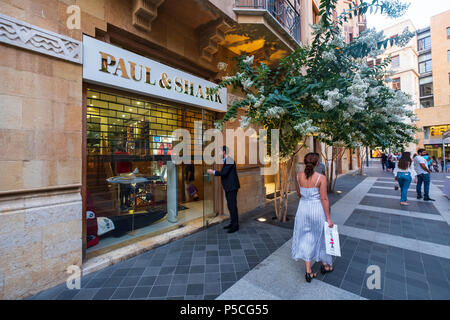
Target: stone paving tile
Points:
(418, 206)
(411, 194)
(405, 274)
(408, 227)
(200, 266)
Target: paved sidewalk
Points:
(411, 245)
(255, 262)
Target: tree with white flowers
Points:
(325, 89)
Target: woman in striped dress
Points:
(308, 241)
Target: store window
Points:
(437, 131)
(129, 174)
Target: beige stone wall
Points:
(40, 236)
(40, 132)
(441, 66)
(440, 113)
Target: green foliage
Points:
(327, 89)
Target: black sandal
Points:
(323, 270)
(308, 276)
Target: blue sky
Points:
(419, 12)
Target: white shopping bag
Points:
(332, 240)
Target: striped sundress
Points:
(308, 240)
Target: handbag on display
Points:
(332, 244)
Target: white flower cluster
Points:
(338, 41)
(356, 100)
(318, 28)
(396, 109)
(275, 113)
(306, 127)
(228, 78)
(248, 60)
(329, 55)
(373, 92)
(332, 99)
(370, 38)
(244, 121)
(246, 83)
(218, 125)
(256, 102)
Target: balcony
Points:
(279, 14)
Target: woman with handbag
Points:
(404, 174)
(308, 240)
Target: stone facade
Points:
(40, 131)
(42, 108)
(440, 113)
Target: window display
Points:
(129, 144)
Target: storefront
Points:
(132, 188)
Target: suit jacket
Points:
(228, 175)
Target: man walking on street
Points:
(423, 175)
(230, 184)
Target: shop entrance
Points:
(134, 190)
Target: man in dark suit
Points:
(230, 184)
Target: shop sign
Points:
(114, 67)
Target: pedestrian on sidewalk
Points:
(404, 174)
(230, 184)
(384, 162)
(423, 175)
(308, 241)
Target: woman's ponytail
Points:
(311, 160)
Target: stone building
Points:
(404, 65)
(90, 94)
(433, 45)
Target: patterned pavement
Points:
(411, 245)
(405, 274)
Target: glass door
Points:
(208, 180)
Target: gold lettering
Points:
(200, 91)
(165, 82)
(105, 63)
(147, 76)
(218, 98)
(209, 92)
(122, 68)
(133, 71)
(179, 85)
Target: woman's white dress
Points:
(308, 240)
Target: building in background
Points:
(433, 46)
(403, 66)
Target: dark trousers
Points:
(231, 197)
(425, 178)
